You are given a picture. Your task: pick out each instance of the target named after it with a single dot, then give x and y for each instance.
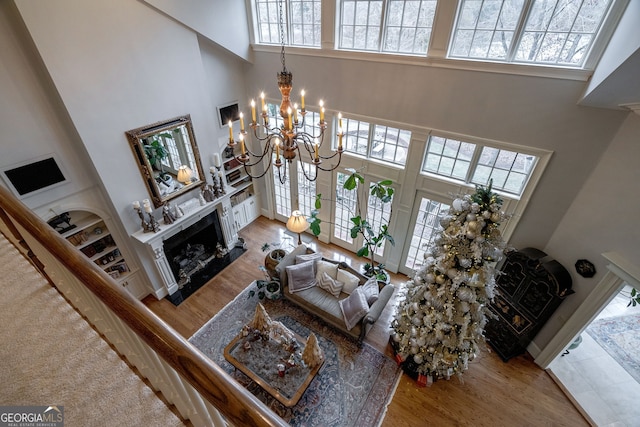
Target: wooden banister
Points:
(232, 400)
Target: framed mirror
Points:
(168, 157)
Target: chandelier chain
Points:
(282, 57)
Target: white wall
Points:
(32, 118)
(524, 110)
(224, 22)
(604, 216)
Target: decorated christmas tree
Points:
(439, 322)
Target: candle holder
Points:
(146, 227)
(218, 185)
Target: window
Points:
(472, 163)
(301, 19)
(392, 26)
(376, 141)
(547, 32)
(345, 208)
(281, 192)
(426, 224)
(306, 189)
(377, 212)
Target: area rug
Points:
(353, 387)
(620, 337)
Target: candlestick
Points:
(136, 205)
(241, 122)
(216, 160)
(147, 208)
(230, 131)
(302, 99)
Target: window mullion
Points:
(475, 159)
(519, 30)
(383, 25)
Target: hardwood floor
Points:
(491, 393)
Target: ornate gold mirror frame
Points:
(168, 158)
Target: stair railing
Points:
(198, 388)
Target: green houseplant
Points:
(372, 236)
(267, 288)
(156, 151)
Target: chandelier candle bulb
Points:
(315, 148)
(289, 118)
(340, 140)
(340, 122)
(264, 107)
(302, 99)
(242, 144)
(321, 115)
(295, 113)
(241, 122)
(277, 142)
(253, 112)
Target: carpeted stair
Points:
(51, 356)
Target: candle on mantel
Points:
(216, 160)
(230, 131)
(253, 112)
(145, 202)
(147, 208)
(136, 205)
(302, 99)
(241, 122)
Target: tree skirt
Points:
(620, 337)
(353, 387)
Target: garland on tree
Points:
(440, 320)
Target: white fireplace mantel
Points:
(151, 244)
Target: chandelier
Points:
(289, 140)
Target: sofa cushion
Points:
(354, 308)
(329, 284)
(350, 281)
(326, 267)
(301, 276)
(370, 290)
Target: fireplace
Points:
(196, 254)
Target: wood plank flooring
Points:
(491, 393)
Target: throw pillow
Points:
(354, 308)
(370, 290)
(350, 281)
(326, 267)
(301, 276)
(329, 284)
(289, 259)
(308, 257)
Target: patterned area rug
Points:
(353, 387)
(620, 337)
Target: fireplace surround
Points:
(193, 248)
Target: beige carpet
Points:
(49, 355)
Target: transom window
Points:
(301, 18)
(476, 164)
(376, 141)
(548, 32)
(392, 26)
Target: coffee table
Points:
(260, 364)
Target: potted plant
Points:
(268, 288)
(372, 237)
(276, 251)
(156, 151)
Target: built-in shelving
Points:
(239, 186)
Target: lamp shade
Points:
(184, 174)
(297, 222)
